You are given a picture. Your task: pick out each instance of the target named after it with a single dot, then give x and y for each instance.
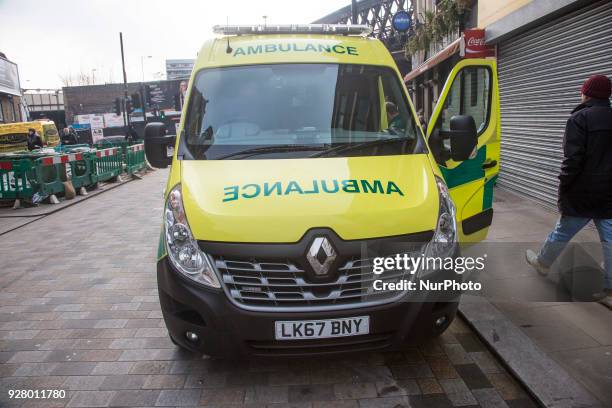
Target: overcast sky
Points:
(53, 38)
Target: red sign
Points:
(474, 46)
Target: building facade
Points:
(45, 104)
(179, 68)
(431, 65)
(11, 108)
(545, 51)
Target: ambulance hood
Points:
(279, 200)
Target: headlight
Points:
(183, 250)
(444, 241)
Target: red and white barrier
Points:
(136, 148)
(112, 151)
(61, 159)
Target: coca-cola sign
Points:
(474, 45)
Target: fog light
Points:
(440, 321)
(191, 336)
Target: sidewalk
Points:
(575, 335)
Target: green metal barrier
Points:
(135, 158)
(107, 164)
(50, 174)
(81, 169)
(15, 176)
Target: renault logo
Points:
(321, 256)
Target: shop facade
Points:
(541, 70)
(11, 109)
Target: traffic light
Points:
(129, 108)
(177, 102)
(148, 93)
(136, 103)
(118, 106)
(162, 114)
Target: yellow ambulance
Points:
(14, 136)
(298, 163)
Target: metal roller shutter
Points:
(540, 74)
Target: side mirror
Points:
(159, 146)
(463, 137)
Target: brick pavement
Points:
(79, 312)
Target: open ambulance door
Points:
(471, 90)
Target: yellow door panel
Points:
(471, 89)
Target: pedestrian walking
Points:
(34, 140)
(585, 188)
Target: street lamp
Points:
(93, 76)
(142, 58)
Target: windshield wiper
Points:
(272, 149)
(348, 147)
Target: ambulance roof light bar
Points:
(338, 29)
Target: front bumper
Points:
(226, 330)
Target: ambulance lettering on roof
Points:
(295, 47)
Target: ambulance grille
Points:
(260, 285)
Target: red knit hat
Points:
(597, 86)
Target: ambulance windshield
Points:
(299, 111)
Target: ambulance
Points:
(14, 136)
(298, 161)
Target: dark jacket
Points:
(34, 141)
(70, 138)
(585, 188)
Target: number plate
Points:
(322, 329)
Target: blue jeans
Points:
(565, 230)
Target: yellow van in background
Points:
(14, 136)
(299, 160)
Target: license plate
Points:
(322, 329)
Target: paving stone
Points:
(247, 378)
(327, 404)
(134, 398)
(489, 398)
(412, 371)
(266, 394)
(150, 367)
(223, 396)
(164, 381)
(314, 392)
(462, 399)
(429, 401)
(453, 386)
(430, 386)
(506, 386)
(392, 402)
(81, 382)
(293, 377)
(470, 342)
(486, 362)
(123, 382)
(112, 368)
(355, 391)
(397, 388)
(457, 354)
(178, 398)
(72, 368)
(91, 399)
(472, 376)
